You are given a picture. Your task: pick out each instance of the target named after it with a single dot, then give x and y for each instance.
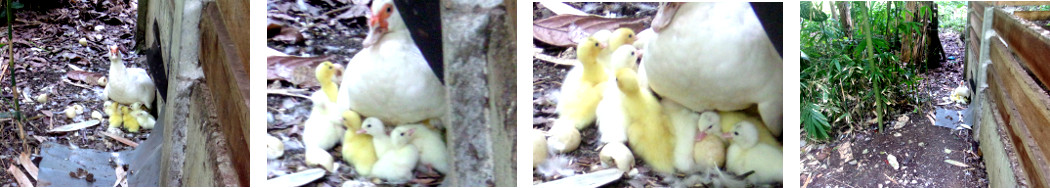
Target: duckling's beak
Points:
(727, 136)
(361, 131)
(700, 135)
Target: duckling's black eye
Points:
(736, 133)
(630, 35)
(402, 134)
(595, 44)
(369, 125)
(632, 53)
(388, 9)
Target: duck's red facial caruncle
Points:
(378, 24)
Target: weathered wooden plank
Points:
(1028, 108)
(20, 177)
(1033, 15)
(978, 6)
(1026, 40)
(228, 80)
(1000, 155)
(235, 15)
(1021, 3)
(976, 19)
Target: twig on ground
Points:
(285, 93)
(121, 139)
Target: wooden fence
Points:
(1008, 64)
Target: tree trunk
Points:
(922, 47)
(844, 18)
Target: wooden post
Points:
(480, 76)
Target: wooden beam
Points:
(1028, 108)
(1010, 140)
(1021, 3)
(1033, 15)
(235, 15)
(1000, 155)
(228, 81)
(1025, 39)
(978, 7)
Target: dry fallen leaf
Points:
(284, 33)
(75, 126)
(83, 76)
(565, 30)
(297, 70)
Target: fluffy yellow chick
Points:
(616, 155)
(649, 134)
(730, 119)
(539, 147)
(684, 123)
(613, 41)
(380, 140)
(358, 149)
(396, 165)
(610, 116)
(116, 118)
(136, 106)
(322, 129)
(109, 107)
(746, 154)
(432, 151)
(324, 73)
(709, 151)
(144, 119)
(582, 88)
(318, 129)
(129, 121)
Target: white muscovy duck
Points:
(714, 56)
(390, 79)
(128, 85)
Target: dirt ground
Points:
(46, 49)
(860, 158)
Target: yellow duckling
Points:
(582, 88)
(357, 147)
(130, 122)
(709, 151)
(580, 93)
(746, 154)
(649, 133)
(116, 117)
(730, 119)
(613, 40)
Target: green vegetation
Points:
(953, 15)
(851, 71)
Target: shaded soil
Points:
(46, 48)
(860, 158)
